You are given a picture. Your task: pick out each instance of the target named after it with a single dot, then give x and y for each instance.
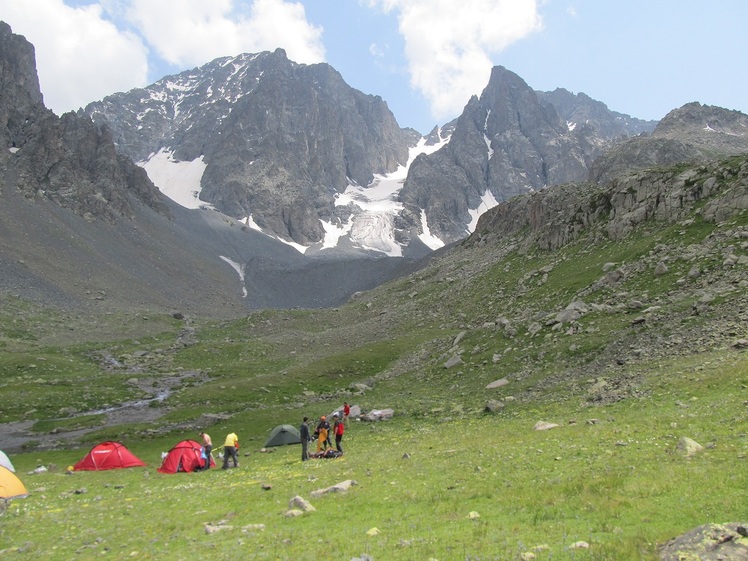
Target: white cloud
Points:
(193, 32)
(80, 56)
(449, 44)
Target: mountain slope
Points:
(83, 226)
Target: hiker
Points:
(229, 450)
(207, 448)
(346, 412)
(323, 429)
(304, 436)
(338, 429)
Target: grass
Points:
(617, 484)
(622, 392)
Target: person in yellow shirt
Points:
(230, 448)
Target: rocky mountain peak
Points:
(20, 95)
(278, 140)
(65, 159)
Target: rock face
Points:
(67, 160)
(508, 142)
(279, 139)
(693, 133)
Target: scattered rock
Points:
(300, 503)
(497, 384)
(454, 361)
(338, 488)
(378, 415)
(688, 447)
(710, 542)
(543, 425)
(494, 406)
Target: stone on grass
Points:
(710, 542)
(688, 447)
(338, 488)
(544, 425)
(497, 384)
(494, 406)
(301, 503)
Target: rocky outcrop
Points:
(710, 542)
(558, 215)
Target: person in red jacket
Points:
(338, 428)
(346, 412)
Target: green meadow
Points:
(442, 480)
(650, 359)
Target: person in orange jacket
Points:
(323, 428)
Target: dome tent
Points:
(283, 434)
(185, 456)
(5, 461)
(108, 455)
(10, 486)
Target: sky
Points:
(425, 58)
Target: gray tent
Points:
(283, 434)
(5, 462)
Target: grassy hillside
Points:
(625, 364)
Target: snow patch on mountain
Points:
(426, 237)
(180, 181)
(488, 201)
(239, 269)
(375, 207)
(372, 225)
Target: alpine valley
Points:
(548, 299)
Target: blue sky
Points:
(425, 58)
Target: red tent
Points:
(185, 456)
(108, 455)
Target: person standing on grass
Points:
(207, 448)
(338, 429)
(323, 429)
(304, 436)
(346, 412)
(229, 450)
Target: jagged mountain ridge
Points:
(580, 110)
(279, 140)
(278, 154)
(505, 143)
(694, 133)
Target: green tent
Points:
(283, 434)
